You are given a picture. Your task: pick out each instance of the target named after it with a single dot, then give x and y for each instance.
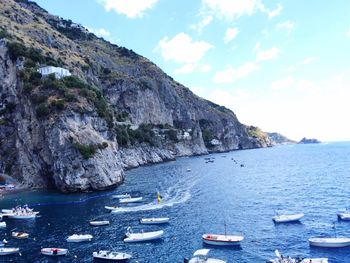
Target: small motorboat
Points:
(111, 207)
(20, 235)
(154, 221)
(8, 251)
(287, 218)
(344, 215)
(131, 237)
(121, 196)
(201, 256)
(52, 251)
(222, 240)
(130, 200)
(79, 238)
(287, 259)
(2, 224)
(188, 170)
(7, 211)
(99, 223)
(330, 242)
(111, 255)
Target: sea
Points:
(240, 189)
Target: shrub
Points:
(172, 135)
(122, 134)
(58, 104)
(16, 50)
(87, 151)
(38, 98)
(207, 137)
(42, 110)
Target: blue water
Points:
(313, 179)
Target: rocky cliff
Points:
(277, 138)
(118, 110)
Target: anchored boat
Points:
(20, 235)
(8, 251)
(222, 240)
(111, 255)
(79, 238)
(331, 242)
(50, 251)
(287, 218)
(286, 259)
(201, 256)
(131, 237)
(154, 221)
(99, 223)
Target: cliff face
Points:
(277, 138)
(117, 111)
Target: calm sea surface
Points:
(313, 179)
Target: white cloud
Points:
(257, 47)
(230, 74)
(101, 32)
(130, 8)
(271, 13)
(230, 34)
(287, 25)
(308, 60)
(268, 54)
(185, 69)
(229, 9)
(182, 49)
(205, 68)
(202, 24)
(282, 83)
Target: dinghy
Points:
(201, 256)
(79, 238)
(20, 235)
(344, 216)
(130, 200)
(110, 255)
(121, 196)
(131, 237)
(222, 240)
(287, 218)
(154, 221)
(331, 242)
(99, 223)
(2, 224)
(51, 251)
(286, 259)
(8, 251)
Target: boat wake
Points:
(176, 194)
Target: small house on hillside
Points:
(59, 72)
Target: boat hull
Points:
(144, 237)
(54, 251)
(344, 216)
(8, 251)
(287, 218)
(154, 221)
(130, 200)
(222, 240)
(99, 223)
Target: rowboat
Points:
(287, 218)
(201, 256)
(286, 259)
(344, 216)
(111, 255)
(20, 235)
(50, 251)
(154, 221)
(222, 240)
(130, 200)
(99, 223)
(79, 238)
(8, 251)
(2, 224)
(331, 242)
(131, 237)
(121, 196)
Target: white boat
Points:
(329, 241)
(188, 170)
(20, 235)
(7, 211)
(2, 224)
(344, 216)
(130, 200)
(99, 223)
(154, 221)
(121, 196)
(131, 237)
(286, 259)
(222, 240)
(79, 238)
(201, 256)
(111, 207)
(31, 215)
(111, 255)
(52, 251)
(287, 218)
(8, 251)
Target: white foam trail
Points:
(175, 194)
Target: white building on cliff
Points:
(59, 72)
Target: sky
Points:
(283, 65)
